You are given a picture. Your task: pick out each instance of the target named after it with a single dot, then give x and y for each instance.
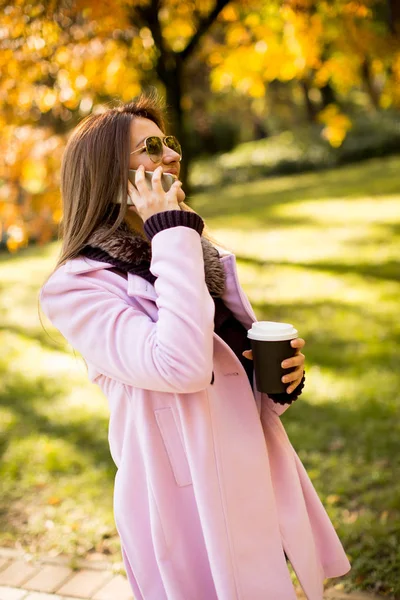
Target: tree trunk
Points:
(311, 110)
(394, 17)
(328, 95)
(369, 83)
(172, 78)
(170, 67)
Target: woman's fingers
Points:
(172, 195)
(180, 196)
(156, 181)
(298, 343)
(293, 386)
(289, 363)
(140, 182)
(295, 361)
(133, 196)
(295, 375)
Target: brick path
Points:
(53, 579)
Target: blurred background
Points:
(289, 117)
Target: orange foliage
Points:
(58, 64)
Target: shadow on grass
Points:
(37, 335)
(389, 270)
(26, 398)
(353, 346)
(50, 452)
(256, 198)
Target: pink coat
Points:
(209, 490)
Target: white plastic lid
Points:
(272, 331)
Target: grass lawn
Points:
(318, 250)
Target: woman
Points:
(210, 496)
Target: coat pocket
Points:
(174, 445)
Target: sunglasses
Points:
(154, 147)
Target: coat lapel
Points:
(233, 296)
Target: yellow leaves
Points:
(29, 195)
(341, 70)
(33, 175)
(349, 517)
(147, 38)
(357, 9)
(332, 499)
(261, 46)
(384, 517)
(54, 500)
(16, 237)
(62, 56)
(215, 58)
(252, 20)
(303, 38)
(80, 82)
(229, 13)
(336, 125)
(237, 35)
(34, 42)
(290, 69)
(46, 100)
(257, 88)
(26, 96)
(178, 33)
(105, 14)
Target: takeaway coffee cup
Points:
(270, 343)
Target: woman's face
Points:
(140, 129)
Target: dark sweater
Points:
(226, 325)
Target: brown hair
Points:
(95, 168)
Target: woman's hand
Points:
(150, 202)
(297, 360)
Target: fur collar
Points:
(130, 247)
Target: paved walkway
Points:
(53, 579)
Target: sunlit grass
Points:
(317, 250)
(57, 475)
(321, 251)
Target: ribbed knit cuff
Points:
(285, 398)
(172, 218)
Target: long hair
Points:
(94, 172)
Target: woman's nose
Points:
(170, 156)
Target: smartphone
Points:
(167, 179)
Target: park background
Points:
(289, 117)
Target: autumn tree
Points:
(61, 60)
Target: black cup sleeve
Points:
(284, 398)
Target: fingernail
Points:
(284, 364)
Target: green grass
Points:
(299, 149)
(56, 471)
(319, 250)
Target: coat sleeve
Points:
(175, 354)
